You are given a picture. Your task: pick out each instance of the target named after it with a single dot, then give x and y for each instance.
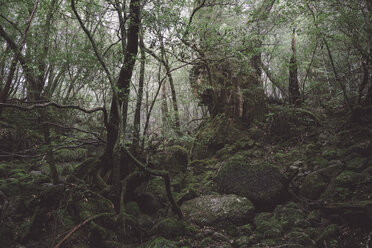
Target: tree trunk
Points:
(293, 87)
(137, 115)
(164, 105)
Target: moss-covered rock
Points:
(170, 228)
(218, 210)
(313, 186)
(349, 185)
(174, 159)
(290, 121)
(290, 215)
(263, 184)
(159, 242)
(214, 135)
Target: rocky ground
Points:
(298, 180)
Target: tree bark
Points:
(137, 115)
(293, 86)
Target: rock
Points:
(174, 159)
(160, 243)
(350, 186)
(334, 169)
(313, 186)
(263, 184)
(214, 134)
(169, 228)
(289, 215)
(218, 210)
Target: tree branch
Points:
(43, 105)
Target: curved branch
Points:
(43, 105)
(82, 224)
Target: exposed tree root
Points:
(80, 225)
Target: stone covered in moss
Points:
(289, 215)
(170, 228)
(159, 243)
(261, 183)
(174, 159)
(214, 135)
(313, 186)
(218, 210)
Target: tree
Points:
(293, 86)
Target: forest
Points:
(186, 123)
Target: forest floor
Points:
(300, 179)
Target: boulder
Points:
(313, 186)
(218, 210)
(174, 159)
(170, 228)
(263, 184)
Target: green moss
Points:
(170, 228)
(313, 186)
(200, 166)
(289, 216)
(300, 238)
(268, 225)
(329, 154)
(191, 230)
(245, 229)
(232, 230)
(321, 162)
(214, 135)
(206, 242)
(243, 241)
(160, 242)
(327, 232)
(132, 208)
(356, 164)
(262, 183)
(350, 177)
